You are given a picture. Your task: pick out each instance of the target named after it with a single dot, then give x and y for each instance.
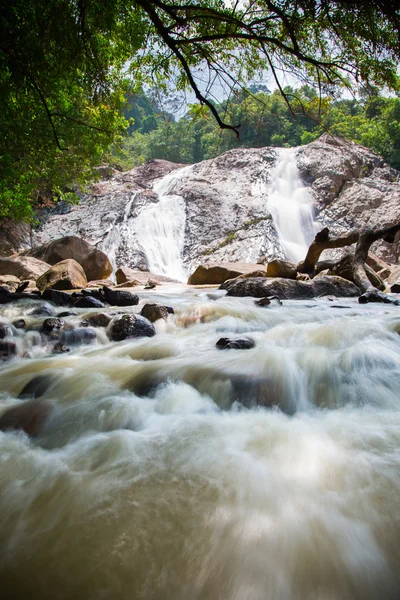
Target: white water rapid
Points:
(291, 207)
(169, 469)
(160, 228)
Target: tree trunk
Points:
(324, 240)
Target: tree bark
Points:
(366, 238)
(324, 240)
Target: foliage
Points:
(64, 66)
(266, 120)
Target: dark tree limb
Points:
(366, 238)
(323, 241)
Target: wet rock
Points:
(395, 288)
(94, 262)
(215, 273)
(267, 301)
(42, 311)
(98, 320)
(67, 313)
(376, 296)
(8, 350)
(281, 268)
(65, 275)
(235, 344)
(52, 324)
(150, 284)
(131, 326)
(120, 297)
(23, 267)
(60, 348)
(57, 297)
(19, 323)
(80, 335)
(29, 416)
(37, 386)
(89, 302)
(153, 312)
(290, 289)
(5, 331)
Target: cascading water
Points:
(160, 228)
(164, 470)
(291, 207)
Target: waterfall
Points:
(160, 228)
(291, 207)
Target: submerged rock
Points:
(5, 331)
(28, 416)
(37, 386)
(8, 349)
(235, 344)
(80, 335)
(131, 326)
(43, 310)
(376, 296)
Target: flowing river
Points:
(169, 469)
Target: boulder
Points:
(98, 320)
(94, 262)
(281, 268)
(57, 297)
(28, 416)
(120, 297)
(125, 274)
(52, 323)
(44, 310)
(235, 344)
(131, 326)
(23, 267)
(290, 289)
(99, 283)
(216, 273)
(153, 312)
(129, 284)
(11, 281)
(88, 302)
(65, 275)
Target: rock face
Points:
(214, 273)
(290, 289)
(93, 261)
(23, 267)
(65, 275)
(225, 204)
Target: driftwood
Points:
(322, 241)
(363, 240)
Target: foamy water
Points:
(171, 470)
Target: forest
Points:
(265, 120)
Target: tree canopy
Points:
(67, 65)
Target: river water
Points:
(169, 469)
